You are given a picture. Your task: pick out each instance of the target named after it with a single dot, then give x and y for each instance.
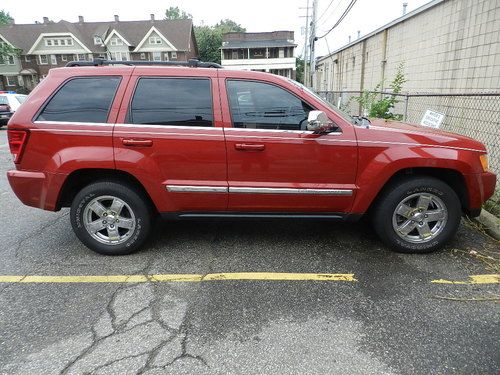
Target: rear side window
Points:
(82, 100)
(172, 101)
(3, 99)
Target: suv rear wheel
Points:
(417, 215)
(110, 218)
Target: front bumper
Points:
(481, 186)
(36, 189)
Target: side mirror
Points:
(318, 122)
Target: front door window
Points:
(260, 105)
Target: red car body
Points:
(357, 160)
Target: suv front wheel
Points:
(417, 215)
(110, 218)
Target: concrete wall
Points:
(453, 46)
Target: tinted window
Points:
(172, 101)
(82, 100)
(264, 106)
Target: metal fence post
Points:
(406, 107)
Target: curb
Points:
(490, 222)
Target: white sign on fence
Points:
(432, 119)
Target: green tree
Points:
(209, 42)
(299, 70)
(5, 17)
(5, 48)
(174, 13)
(227, 26)
(209, 38)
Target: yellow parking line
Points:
(280, 276)
(179, 277)
(476, 279)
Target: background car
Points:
(9, 103)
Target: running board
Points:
(260, 215)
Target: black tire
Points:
(135, 204)
(396, 193)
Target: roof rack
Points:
(192, 63)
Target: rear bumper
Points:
(481, 187)
(36, 189)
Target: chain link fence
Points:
(476, 115)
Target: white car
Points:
(9, 103)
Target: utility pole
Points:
(306, 52)
(312, 41)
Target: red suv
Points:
(122, 144)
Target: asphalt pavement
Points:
(390, 318)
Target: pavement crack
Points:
(109, 306)
(10, 285)
(95, 339)
(81, 355)
(37, 232)
(113, 362)
(184, 331)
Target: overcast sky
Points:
(255, 15)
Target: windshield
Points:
(338, 111)
(21, 98)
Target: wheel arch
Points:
(451, 177)
(80, 178)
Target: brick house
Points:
(52, 44)
(272, 52)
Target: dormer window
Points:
(97, 40)
(116, 42)
(49, 42)
(155, 40)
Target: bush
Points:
(382, 108)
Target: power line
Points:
(333, 10)
(323, 14)
(349, 7)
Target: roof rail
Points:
(192, 63)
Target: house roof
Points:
(257, 43)
(178, 32)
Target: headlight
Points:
(484, 161)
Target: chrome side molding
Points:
(254, 190)
(196, 189)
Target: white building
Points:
(272, 52)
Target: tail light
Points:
(17, 143)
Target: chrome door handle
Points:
(137, 142)
(249, 147)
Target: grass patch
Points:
(489, 256)
(492, 205)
